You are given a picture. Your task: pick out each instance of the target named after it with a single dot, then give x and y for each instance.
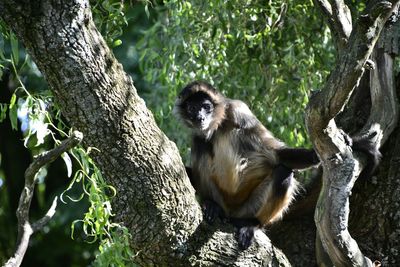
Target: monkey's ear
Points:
(241, 116)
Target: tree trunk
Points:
(155, 199)
(375, 217)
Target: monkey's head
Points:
(201, 107)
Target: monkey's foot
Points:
(246, 236)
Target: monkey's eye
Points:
(191, 109)
(206, 106)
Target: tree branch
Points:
(281, 17)
(338, 17)
(340, 167)
(25, 229)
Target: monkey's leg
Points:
(267, 210)
(297, 158)
(279, 195)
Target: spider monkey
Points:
(238, 168)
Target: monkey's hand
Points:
(212, 210)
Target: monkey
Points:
(238, 168)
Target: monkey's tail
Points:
(371, 152)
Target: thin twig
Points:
(39, 224)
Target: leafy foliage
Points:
(110, 19)
(113, 238)
(266, 54)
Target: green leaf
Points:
(3, 111)
(117, 42)
(146, 10)
(12, 101)
(73, 227)
(2, 57)
(68, 163)
(13, 117)
(14, 48)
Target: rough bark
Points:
(155, 199)
(374, 220)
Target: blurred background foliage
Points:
(270, 54)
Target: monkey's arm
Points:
(297, 158)
(240, 115)
(210, 208)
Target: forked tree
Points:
(155, 199)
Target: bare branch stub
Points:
(25, 228)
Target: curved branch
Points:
(340, 167)
(384, 113)
(327, 103)
(25, 228)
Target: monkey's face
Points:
(199, 111)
